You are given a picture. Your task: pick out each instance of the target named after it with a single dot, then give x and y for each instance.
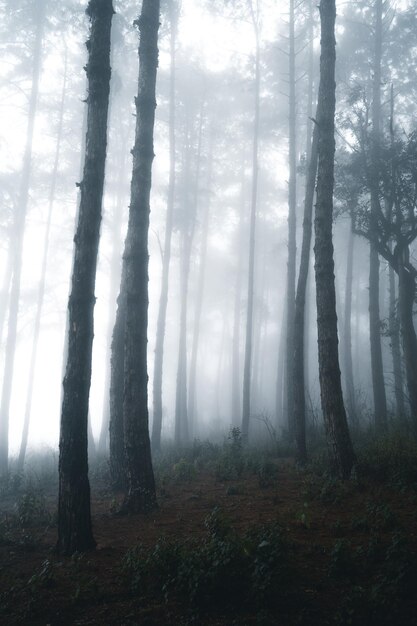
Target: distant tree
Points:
(337, 431)
(74, 517)
(141, 496)
(16, 244)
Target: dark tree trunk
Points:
(337, 432)
(394, 333)
(299, 390)
(141, 496)
(41, 288)
(380, 402)
(292, 245)
(247, 372)
(406, 296)
(74, 517)
(16, 247)
(347, 334)
(163, 302)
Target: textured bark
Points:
(299, 390)
(292, 245)
(42, 281)
(378, 385)
(74, 516)
(347, 334)
(406, 295)
(394, 333)
(247, 372)
(337, 432)
(141, 496)
(16, 247)
(163, 301)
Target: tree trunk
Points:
(380, 402)
(406, 296)
(347, 334)
(74, 516)
(292, 245)
(247, 372)
(299, 390)
(16, 244)
(162, 312)
(41, 288)
(192, 408)
(394, 333)
(141, 496)
(337, 431)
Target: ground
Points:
(349, 551)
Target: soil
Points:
(320, 520)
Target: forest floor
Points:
(234, 541)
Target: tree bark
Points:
(163, 301)
(337, 431)
(247, 372)
(74, 516)
(378, 384)
(141, 496)
(42, 282)
(16, 244)
(347, 334)
(299, 390)
(406, 295)
(394, 333)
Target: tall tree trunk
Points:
(337, 431)
(394, 333)
(299, 390)
(347, 334)
(247, 372)
(292, 245)
(5, 290)
(162, 312)
(378, 385)
(41, 288)
(16, 244)
(192, 407)
(74, 516)
(406, 296)
(141, 496)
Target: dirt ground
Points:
(322, 520)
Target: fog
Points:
(214, 117)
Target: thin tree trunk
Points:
(16, 244)
(394, 332)
(42, 282)
(406, 294)
(280, 395)
(163, 302)
(247, 372)
(337, 431)
(380, 402)
(292, 245)
(192, 408)
(299, 390)
(74, 516)
(141, 496)
(5, 291)
(347, 334)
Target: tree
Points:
(16, 244)
(74, 516)
(337, 431)
(163, 301)
(141, 494)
